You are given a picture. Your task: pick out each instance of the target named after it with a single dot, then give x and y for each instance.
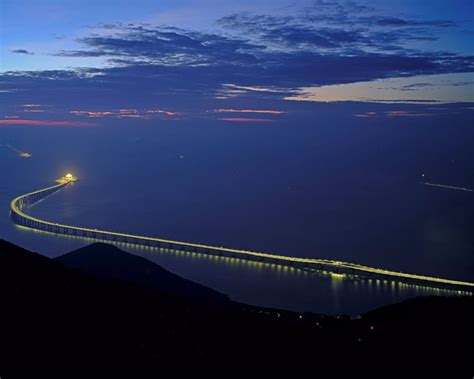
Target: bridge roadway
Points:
(18, 204)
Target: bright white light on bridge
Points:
(67, 178)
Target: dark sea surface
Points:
(349, 191)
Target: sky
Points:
(81, 63)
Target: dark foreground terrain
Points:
(102, 306)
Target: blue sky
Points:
(158, 60)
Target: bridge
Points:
(19, 204)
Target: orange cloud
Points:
(45, 123)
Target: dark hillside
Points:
(108, 261)
(52, 317)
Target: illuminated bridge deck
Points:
(21, 202)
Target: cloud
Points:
(400, 22)
(91, 114)
(423, 89)
(392, 114)
(366, 115)
(21, 51)
(264, 111)
(287, 31)
(406, 114)
(163, 112)
(45, 123)
(125, 113)
(354, 14)
(163, 45)
(34, 108)
(285, 52)
(415, 86)
(248, 61)
(342, 27)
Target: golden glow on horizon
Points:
(421, 89)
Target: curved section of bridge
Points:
(21, 202)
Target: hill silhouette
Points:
(107, 261)
(56, 319)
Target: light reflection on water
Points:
(269, 284)
(317, 190)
